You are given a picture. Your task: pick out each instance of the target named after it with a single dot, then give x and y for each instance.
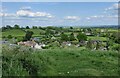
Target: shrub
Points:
(72, 37)
(64, 37)
(89, 44)
(9, 37)
(116, 47)
(3, 36)
(28, 35)
(81, 37)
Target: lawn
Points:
(97, 38)
(22, 61)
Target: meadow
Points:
(24, 61)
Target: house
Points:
(27, 43)
(32, 44)
(66, 43)
(36, 39)
(102, 30)
(38, 46)
(81, 43)
(95, 44)
(3, 42)
(88, 33)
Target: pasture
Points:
(14, 32)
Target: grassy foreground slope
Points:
(22, 61)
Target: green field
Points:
(36, 31)
(97, 38)
(13, 32)
(21, 61)
(19, 32)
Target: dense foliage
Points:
(28, 35)
(81, 37)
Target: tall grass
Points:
(23, 61)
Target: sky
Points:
(59, 13)
(59, 0)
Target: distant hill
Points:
(108, 26)
(100, 26)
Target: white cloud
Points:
(26, 8)
(25, 12)
(88, 18)
(7, 15)
(102, 18)
(74, 18)
(28, 13)
(115, 6)
(98, 16)
(1, 14)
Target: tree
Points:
(84, 30)
(72, 37)
(71, 27)
(64, 37)
(9, 37)
(107, 45)
(27, 27)
(95, 32)
(89, 29)
(22, 28)
(41, 27)
(115, 37)
(3, 29)
(89, 44)
(116, 47)
(16, 26)
(8, 27)
(34, 27)
(49, 32)
(81, 37)
(28, 35)
(98, 45)
(61, 28)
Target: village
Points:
(58, 37)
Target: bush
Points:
(28, 35)
(9, 37)
(81, 37)
(3, 36)
(64, 37)
(54, 44)
(72, 37)
(74, 42)
(116, 47)
(89, 45)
